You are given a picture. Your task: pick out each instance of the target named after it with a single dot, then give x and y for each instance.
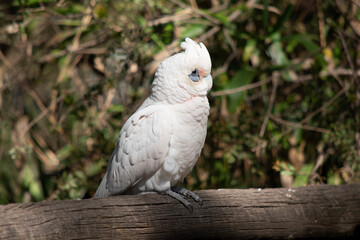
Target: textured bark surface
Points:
(307, 212)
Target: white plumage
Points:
(161, 142)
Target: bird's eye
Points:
(195, 76)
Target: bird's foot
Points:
(181, 194)
(187, 193)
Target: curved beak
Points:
(209, 81)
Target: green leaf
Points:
(158, 41)
(64, 152)
(241, 78)
(303, 175)
(193, 30)
(303, 39)
(249, 50)
(278, 55)
(69, 22)
(31, 180)
(36, 191)
(116, 108)
(334, 178)
(141, 21)
(222, 18)
(94, 169)
(276, 51)
(30, 2)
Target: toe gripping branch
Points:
(182, 194)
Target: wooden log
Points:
(307, 212)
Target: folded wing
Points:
(140, 150)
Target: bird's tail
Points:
(102, 192)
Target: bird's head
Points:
(184, 75)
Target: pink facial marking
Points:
(202, 73)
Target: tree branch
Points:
(308, 212)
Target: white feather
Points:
(161, 142)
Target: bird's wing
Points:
(141, 148)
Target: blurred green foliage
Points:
(284, 106)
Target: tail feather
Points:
(102, 192)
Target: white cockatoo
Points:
(161, 142)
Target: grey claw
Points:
(181, 199)
(188, 194)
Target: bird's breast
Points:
(188, 138)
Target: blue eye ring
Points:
(195, 75)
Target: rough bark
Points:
(308, 212)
